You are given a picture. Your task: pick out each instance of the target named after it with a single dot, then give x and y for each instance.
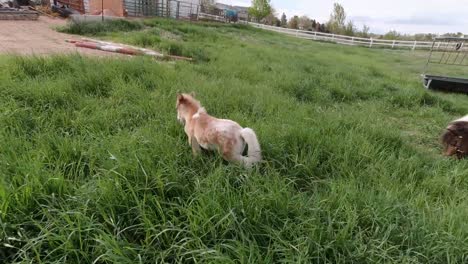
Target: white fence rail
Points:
(347, 40)
(206, 16)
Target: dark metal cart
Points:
(447, 51)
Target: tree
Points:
(270, 20)
(208, 2)
(278, 23)
(454, 35)
(208, 5)
(336, 24)
(284, 20)
(424, 37)
(314, 24)
(350, 29)
(317, 27)
(294, 22)
(323, 28)
(392, 34)
(365, 32)
(260, 9)
(304, 23)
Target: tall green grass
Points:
(106, 26)
(96, 169)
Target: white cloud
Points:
(290, 12)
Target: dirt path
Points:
(39, 38)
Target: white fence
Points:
(347, 40)
(206, 16)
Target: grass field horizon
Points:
(96, 169)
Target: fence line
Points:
(186, 10)
(348, 40)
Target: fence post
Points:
(352, 41)
(371, 42)
(191, 11)
(168, 9)
(414, 46)
(178, 9)
(297, 32)
(393, 44)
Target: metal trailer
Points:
(450, 52)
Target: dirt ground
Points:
(39, 38)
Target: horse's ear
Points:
(180, 97)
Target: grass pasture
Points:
(96, 169)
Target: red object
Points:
(128, 51)
(109, 47)
(87, 45)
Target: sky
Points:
(405, 16)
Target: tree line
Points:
(263, 12)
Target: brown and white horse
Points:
(210, 133)
(455, 138)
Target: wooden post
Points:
(414, 46)
(168, 8)
(393, 44)
(371, 42)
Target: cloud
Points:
(413, 24)
(421, 20)
(289, 12)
